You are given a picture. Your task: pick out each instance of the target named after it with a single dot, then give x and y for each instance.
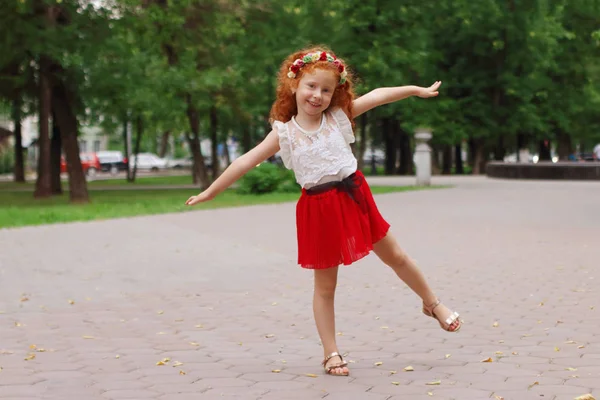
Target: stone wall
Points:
(544, 170)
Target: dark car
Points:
(112, 161)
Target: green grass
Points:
(21, 209)
(157, 180)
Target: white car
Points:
(148, 161)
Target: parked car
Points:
(188, 162)
(89, 162)
(112, 161)
(148, 161)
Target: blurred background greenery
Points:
(186, 79)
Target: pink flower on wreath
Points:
(295, 68)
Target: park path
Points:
(88, 310)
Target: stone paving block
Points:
(356, 396)
(462, 393)
(129, 394)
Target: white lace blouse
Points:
(319, 156)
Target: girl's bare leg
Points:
(323, 308)
(388, 250)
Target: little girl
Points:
(336, 217)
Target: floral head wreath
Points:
(315, 57)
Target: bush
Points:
(268, 178)
(7, 160)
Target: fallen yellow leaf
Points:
(340, 334)
(30, 356)
(24, 298)
(556, 349)
(434, 383)
(384, 327)
(195, 344)
(117, 356)
(571, 342)
(311, 375)
(393, 372)
(199, 326)
(395, 383)
(177, 364)
(585, 397)
(448, 355)
(33, 347)
(533, 384)
(581, 347)
(499, 353)
(181, 372)
(430, 393)
(487, 360)
(498, 397)
(160, 312)
(515, 353)
(18, 324)
(276, 371)
(71, 301)
(40, 350)
(270, 335)
(274, 303)
(409, 369)
(571, 369)
(378, 363)
(496, 324)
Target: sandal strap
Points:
(432, 307)
(329, 357)
(452, 318)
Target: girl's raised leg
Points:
(388, 250)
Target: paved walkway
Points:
(211, 305)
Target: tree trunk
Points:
(246, 136)
(362, 145)
(55, 152)
(139, 130)
(67, 123)
(198, 169)
(214, 142)
(164, 144)
(500, 150)
(227, 155)
(126, 142)
(564, 146)
(458, 160)
(544, 150)
(387, 130)
(447, 161)
(479, 161)
(19, 170)
(406, 155)
(43, 186)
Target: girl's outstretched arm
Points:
(387, 95)
(268, 147)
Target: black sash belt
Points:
(350, 186)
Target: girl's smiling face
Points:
(315, 90)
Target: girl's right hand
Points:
(202, 197)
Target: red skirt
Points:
(338, 226)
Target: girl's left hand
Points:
(431, 91)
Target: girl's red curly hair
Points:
(285, 107)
